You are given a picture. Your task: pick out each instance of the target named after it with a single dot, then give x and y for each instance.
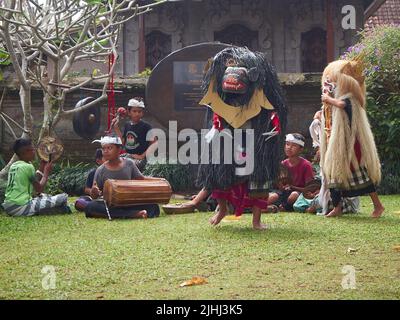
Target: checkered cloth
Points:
(255, 187)
(44, 204)
(359, 180)
(349, 205)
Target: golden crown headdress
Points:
(356, 67)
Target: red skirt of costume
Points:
(239, 197)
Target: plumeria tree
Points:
(43, 39)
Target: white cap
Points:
(109, 140)
(135, 103)
(291, 138)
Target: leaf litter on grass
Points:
(194, 281)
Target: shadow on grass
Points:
(273, 232)
(363, 219)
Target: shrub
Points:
(390, 178)
(380, 52)
(68, 178)
(179, 176)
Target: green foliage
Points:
(390, 178)
(145, 73)
(4, 58)
(380, 53)
(68, 178)
(94, 2)
(4, 61)
(179, 176)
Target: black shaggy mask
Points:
(238, 75)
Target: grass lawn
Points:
(301, 256)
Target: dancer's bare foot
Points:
(336, 212)
(142, 214)
(216, 218)
(259, 226)
(378, 212)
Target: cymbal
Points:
(50, 148)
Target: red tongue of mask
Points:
(235, 80)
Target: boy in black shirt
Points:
(99, 161)
(134, 134)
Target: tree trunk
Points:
(25, 97)
(47, 126)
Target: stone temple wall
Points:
(302, 94)
(278, 26)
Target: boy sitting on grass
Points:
(23, 180)
(119, 168)
(308, 200)
(300, 170)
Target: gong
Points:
(86, 122)
(173, 91)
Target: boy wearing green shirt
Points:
(23, 180)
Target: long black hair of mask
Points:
(267, 153)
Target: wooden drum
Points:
(126, 193)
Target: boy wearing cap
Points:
(119, 168)
(135, 133)
(300, 171)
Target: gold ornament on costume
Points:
(236, 116)
(328, 121)
(231, 63)
(356, 67)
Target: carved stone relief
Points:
(169, 19)
(219, 14)
(302, 17)
(306, 15)
(158, 46)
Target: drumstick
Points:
(104, 200)
(108, 212)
